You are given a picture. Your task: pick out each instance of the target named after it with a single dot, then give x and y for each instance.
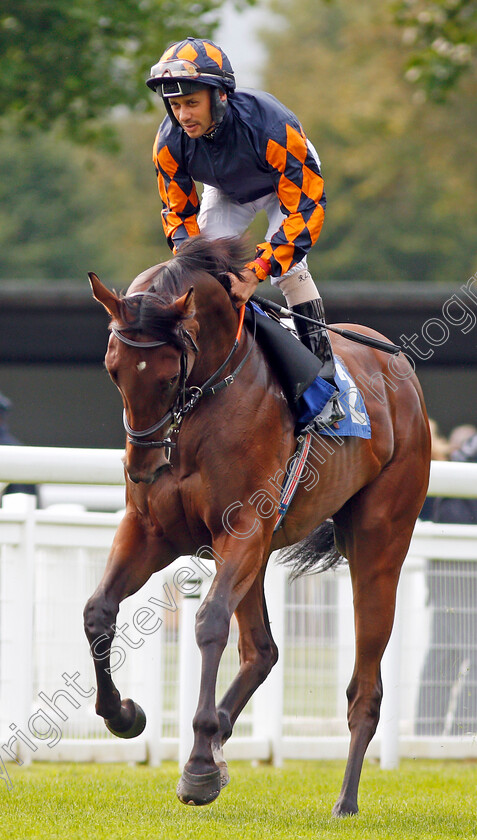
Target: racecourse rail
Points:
(50, 562)
(55, 465)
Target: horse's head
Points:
(152, 348)
(150, 352)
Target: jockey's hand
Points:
(241, 288)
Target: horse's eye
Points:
(173, 380)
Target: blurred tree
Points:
(131, 228)
(66, 210)
(45, 209)
(72, 61)
(400, 174)
(440, 37)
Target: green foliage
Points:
(400, 174)
(65, 210)
(441, 36)
(45, 210)
(72, 61)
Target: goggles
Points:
(178, 68)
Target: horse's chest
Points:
(175, 513)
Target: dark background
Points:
(53, 340)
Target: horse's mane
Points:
(154, 313)
(217, 257)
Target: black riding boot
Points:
(317, 340)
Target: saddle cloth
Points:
(356, 423)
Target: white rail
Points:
(56, 549)
(61, 465)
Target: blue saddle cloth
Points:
(356, 423)
(306, 392)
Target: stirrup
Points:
(330, 414)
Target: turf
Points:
(93, 802)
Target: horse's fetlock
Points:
(108, 710)
(206, 724)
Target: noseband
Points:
(186, 399)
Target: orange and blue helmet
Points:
(191, 65)
(192, 62)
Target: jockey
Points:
(251, 154)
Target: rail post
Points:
(19, 584)
(390, 707)
(268, 701)
(189, 671)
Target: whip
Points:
(351, 335)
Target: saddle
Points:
(295, 366)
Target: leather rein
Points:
(186, 398)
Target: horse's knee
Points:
(212, 625)
(99, 618)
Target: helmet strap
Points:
(218, 106)
(170, 112)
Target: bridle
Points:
(186, 398)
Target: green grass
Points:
(421, 800)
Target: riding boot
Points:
(317, 340)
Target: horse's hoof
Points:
(199, 789)
(345, 808)
(130, 721)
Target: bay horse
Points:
(175, 344)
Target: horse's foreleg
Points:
(129, 567)
(258, 654)
(123, 718)
(200, 782)
(373, 530)
(241, 561)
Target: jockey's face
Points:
(193, 112)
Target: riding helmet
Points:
(190, 65)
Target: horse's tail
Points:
(317, 552)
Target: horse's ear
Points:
(186, 304)
(103, 295)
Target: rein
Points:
(190, 396)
